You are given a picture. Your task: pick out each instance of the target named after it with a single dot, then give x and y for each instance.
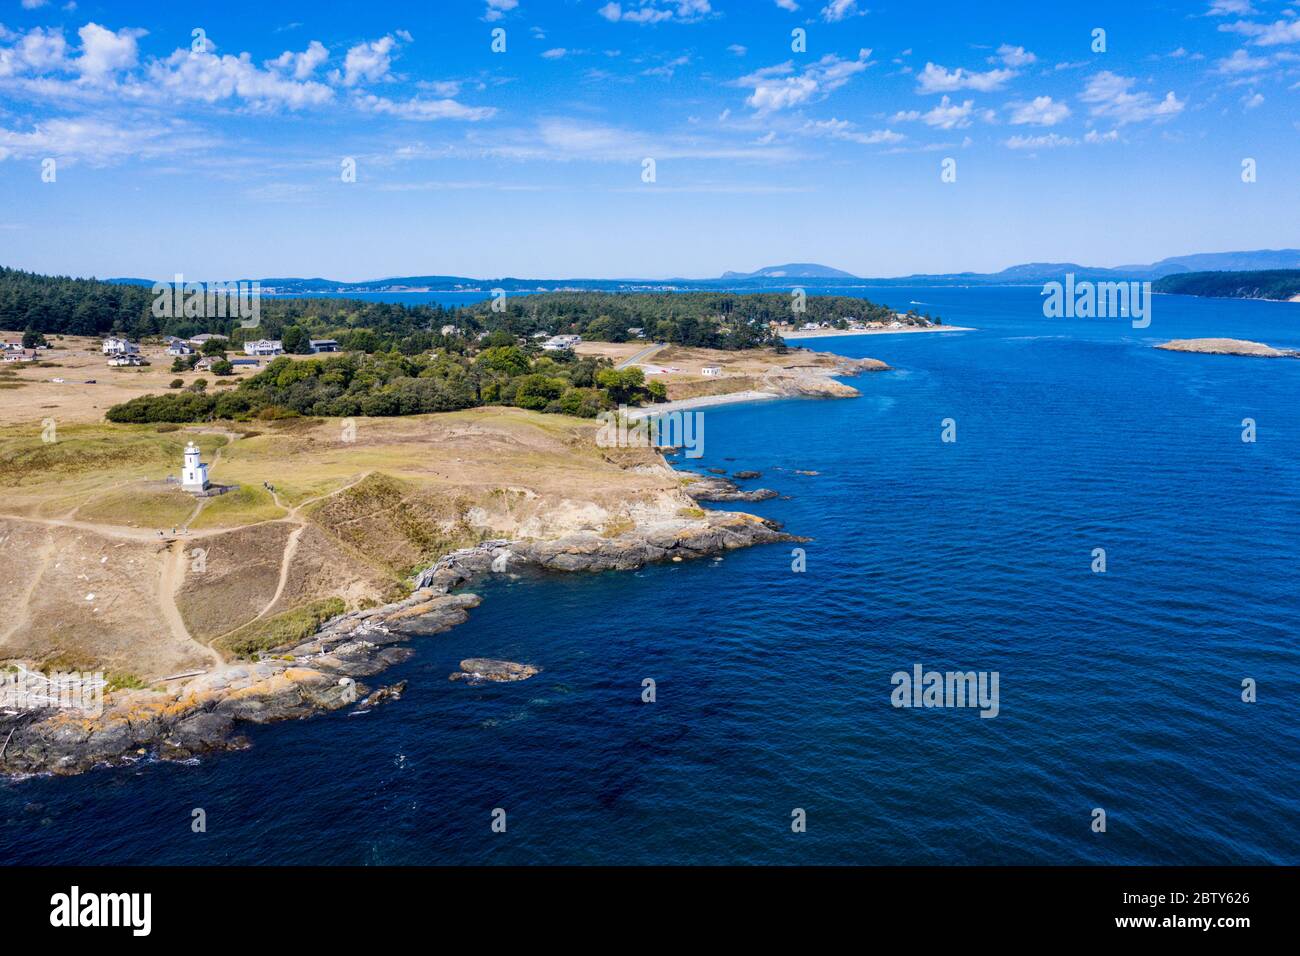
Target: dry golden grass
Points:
(370, 506)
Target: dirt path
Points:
(23, 615)
(169, 582)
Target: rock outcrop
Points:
(476, 670)
(1227, 347)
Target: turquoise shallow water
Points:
(1119, 691)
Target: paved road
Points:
(641, 356)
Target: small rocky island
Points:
(1226, 347)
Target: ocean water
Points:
(1119, 691)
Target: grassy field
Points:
(246, 505)
(291, 627)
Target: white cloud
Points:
(302, 64)
(1223, 8)
(737, 49)
(1014, 56)
(34, 4)
(936, 79)
(1272, 34)
(657, 11)
(98, 141)
(789, 5)
(1109, 96)
(837, 10)
(780, 87)
(38, 51)
(947, 115)
(666, 70)
(1040, 111)
(104, 52)
(497, 9)
(1092, 136)
(844, 130)
(423, 109)
(1242, 62)
(187, 75)
(1045, 141)
(556, 53)
(369, 61)
(567, 140)
(1252, 101)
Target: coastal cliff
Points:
(322, 672)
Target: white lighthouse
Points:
(194, 476)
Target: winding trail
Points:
(171, 576)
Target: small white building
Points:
(199, 340)
(559, 343)
(126, 361)
(711, 371)
(116, 346)
(264, 347)
(194, 473)
(323, 345)
(179, 348)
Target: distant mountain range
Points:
(810, 274)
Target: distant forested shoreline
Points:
(1273, 284)
(58, 305)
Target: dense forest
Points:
(58, 305)
(1265, 284)
(703, 319)
(390, 383)
(63, 306)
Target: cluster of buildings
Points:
(266, 347)
(14, 352)
(123, 352)
(854, 325)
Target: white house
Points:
(199, 340)
(179, 348)
(13, 347)
(194, 473)
(264, 347)
(116, 346)
(120, 361)
(711, 371)
(558, 343)
(324, 345)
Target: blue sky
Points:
(227, 161)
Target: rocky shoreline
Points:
(322, 673)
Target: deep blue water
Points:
(1118, 690)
